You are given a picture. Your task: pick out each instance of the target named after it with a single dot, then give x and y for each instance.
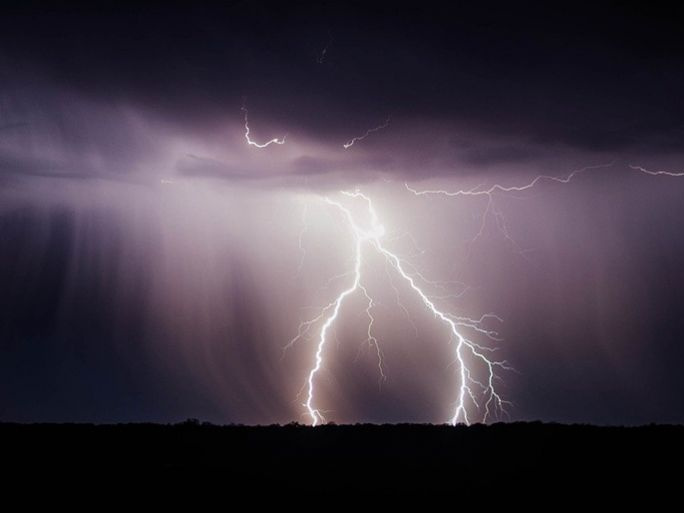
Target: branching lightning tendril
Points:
(473, 392)
(251, 142)
(351, 142)
(467, 352)
(491, 210)
(657, 173)
(489, 193)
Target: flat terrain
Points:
(517, 456)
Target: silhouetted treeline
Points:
(407, 457)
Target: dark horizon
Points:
(509, 458)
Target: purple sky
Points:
(154, 265)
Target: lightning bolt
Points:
(371, 340)
(491, 211)
(490, 192)
(351, 142)
(656, 173)
(480, 191)
(254, 143)
(466, 352)
(473, 392)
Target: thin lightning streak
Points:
(465, 348)
(502, 226)
(334, 278)
(656, 173)
(351, 142)
(478, 191)
(321, 58)
(500, 220)
(398, 301)
(371, 338)
(254, 143)
(441, 284)
(302, 249)
(405, 235)
(491, 211)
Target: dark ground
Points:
(516, 458)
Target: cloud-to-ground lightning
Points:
(351, 142)
(481, 394)
(473, 394)
(250, 141)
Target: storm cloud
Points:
(153, 264)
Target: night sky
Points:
(153, 264)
